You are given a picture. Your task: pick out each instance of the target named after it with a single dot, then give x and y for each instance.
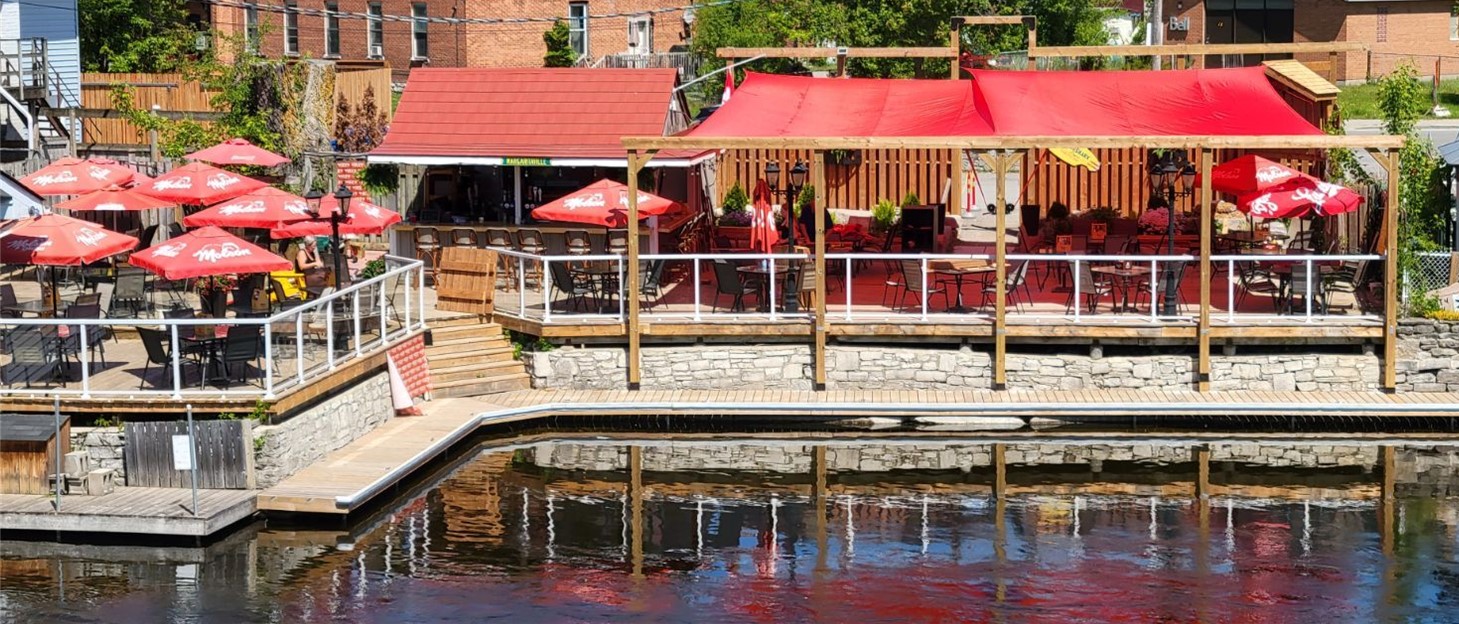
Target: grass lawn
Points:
(1361, 101)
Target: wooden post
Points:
(72, 129)
(630, 270)
(1000, 274)
(1000, 470)
(956, 44)
(840, 65)
(959, 185)
(635, 502)
(1332, 75)
(1390, 275)
(1202, 457)
(1203, 367)
(818, 179)
(818, 499)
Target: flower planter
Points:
(739, 236)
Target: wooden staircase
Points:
(469, 356)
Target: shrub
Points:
(910, 199)
(736, 200)
(1448, 316)
(883, 216)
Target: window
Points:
(641, 35)
(291, 27)
(577, 27)
(377, 29)
(1248, 21)
(1454, 28)
(331, 29)
(419, 43)
(1382, 24)
(250, 26)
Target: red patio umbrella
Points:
(1299, 197)
(363, 218)
(763, 234)
(204, 252)
(604, 202)
(57, 240)
(115, 199)
(238, 152)
(198, 184)
(1250, 174)
(266, 208)
(74, 176)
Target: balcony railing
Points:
(232, 358)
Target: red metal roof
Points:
(537, 113)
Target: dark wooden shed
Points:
(28, 451)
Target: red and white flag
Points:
(729, 85)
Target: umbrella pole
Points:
(334, 239)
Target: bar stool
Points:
(529, 241)
(577, 242)
(618, 242)
(501, 239)
(463, 237)
(428, 248)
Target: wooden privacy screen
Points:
(881, 174)
(466, 280)
(1122, 181)
(224, 454)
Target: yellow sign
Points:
(1077, 156)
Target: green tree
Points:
(559, 46)
(134, 35)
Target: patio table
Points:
(762, 284)
(959, 269)
(1125, 278)
(603, 275)
(40, 308)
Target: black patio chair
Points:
(96, 335)
(1013, 281)
(130, 295)
(238, 350)
(1092, 286)
(158, 343)
(912, 284)
(32, 354)
(651, 286)
(727, 282)
(576, 287)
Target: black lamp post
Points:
(342, 200)
(1165, 170)
(798, 173)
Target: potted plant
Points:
(844, 157)
(884, 217)
(911, 199)
(213, 293)
(735, 217)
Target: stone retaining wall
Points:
(308, 436)
(1428, 356)
(104, 445)
(872, 367)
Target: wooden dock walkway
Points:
(352, 476)
(134, 510)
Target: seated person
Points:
(1056, 223)
(308, 262)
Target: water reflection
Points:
(890, 529)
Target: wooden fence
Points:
(172, 92)
(224, 450)
(882, 174)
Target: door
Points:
(641, 35)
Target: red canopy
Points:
(74, 176)
(56, 240)
(117, 199)
(604, 202)
(363, 218)
(1250, 174)
(266, 208)
(207, 251)
(238, 152)
(1229, 102)
(198, 184)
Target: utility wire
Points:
(278, 8)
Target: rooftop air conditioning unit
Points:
(377, 51)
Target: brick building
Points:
(401, 42)
(1416, 31)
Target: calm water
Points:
(875, 530)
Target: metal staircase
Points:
(29, 88)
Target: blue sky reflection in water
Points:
(545, 533)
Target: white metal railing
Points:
(1313, 286)
(540, 266)
(341, 317)
(1139, 280)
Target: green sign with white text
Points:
(526, 162)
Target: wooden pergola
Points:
(1005, 151)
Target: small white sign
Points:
(182, 457)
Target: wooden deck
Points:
(350, 477)
(131, 510)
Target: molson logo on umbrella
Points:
(180, 183)
(253, 207)
(98, 173)
(219, 252)
(1263, 207)
(584, 201)
(90, 237)
(221, 181)
(1268, 175)
(55, 178)
(170, 250)
(27, 244)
